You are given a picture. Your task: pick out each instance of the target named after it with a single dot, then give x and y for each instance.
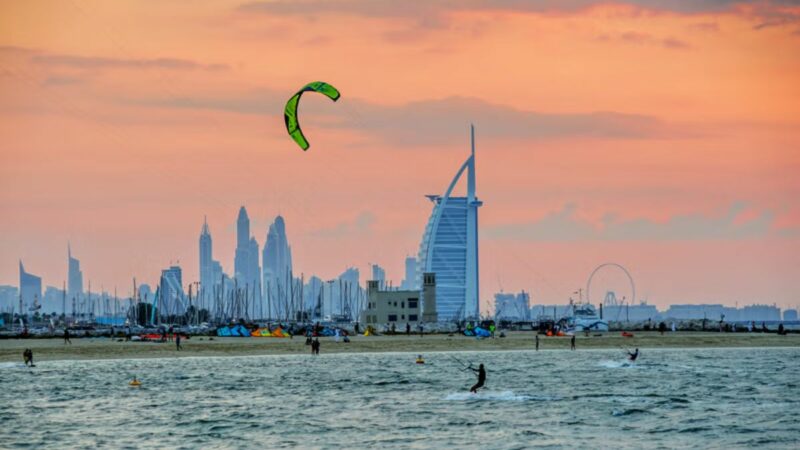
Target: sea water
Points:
(688, 398)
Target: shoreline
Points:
(200, 346)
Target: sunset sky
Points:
(660, 135)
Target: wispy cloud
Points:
(564, 225)
(96, 62)
(439, 121)
(639, 38)
(359, 226)
(432, 8)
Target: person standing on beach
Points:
(572, 342)
(27, 356)
(481, 378)
(421, 329)
(66, 336)
(537, 342)
(408, 329)
(178, 343)
(171, 330)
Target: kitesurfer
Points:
(632, 356)
(66, 336)
(481, 378)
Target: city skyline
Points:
(662, 138)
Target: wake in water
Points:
(12, 365)
(616, 364)
(488, 395)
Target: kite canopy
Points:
(290, 111)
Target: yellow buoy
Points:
(135, 383)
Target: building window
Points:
(392, 317)
(412, 317)
(402, 304)
(402, 317)
(413, 303)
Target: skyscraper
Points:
(206, 261)
(449, 247)
(171, 298)
(246, 267)
(30, 288)
(277, 267)
(74, 275)
(379, 275)
(410, 280)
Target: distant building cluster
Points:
(643, 312)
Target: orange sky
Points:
(666, 139)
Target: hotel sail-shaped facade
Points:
(449, 247)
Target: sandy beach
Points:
(106, 348)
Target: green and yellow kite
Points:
(290, 111)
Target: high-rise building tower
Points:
(410, 280)
(30, 289)
(206, 261)
(246, 267)
(74, 275)
(171, 296)
(241, 259)
(277, 268)
(449, 247)
(379, 275)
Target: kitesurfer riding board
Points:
(481, 372)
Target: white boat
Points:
(585, 318)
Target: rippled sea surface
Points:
(701, 398)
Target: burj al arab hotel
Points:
(449, 247)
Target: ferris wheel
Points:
(610, 265)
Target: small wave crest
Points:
(616, 364)
(488, 395)
(11, 365)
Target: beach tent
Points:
(279, 333)
(481, 333)
(240, 330)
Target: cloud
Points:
(564, 225)
(95, 62)
(440, 121)
(432, 14)
(708, 27)
(360, 226)
(635, 37)
(434, 8)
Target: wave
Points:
(489, 395)
(629, 412)
(11, 365)
(616, 364)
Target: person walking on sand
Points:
(66, 336)
(572, 343)
(178, 343)
(27, 356)
(481, 372)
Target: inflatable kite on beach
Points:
(290, 111)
